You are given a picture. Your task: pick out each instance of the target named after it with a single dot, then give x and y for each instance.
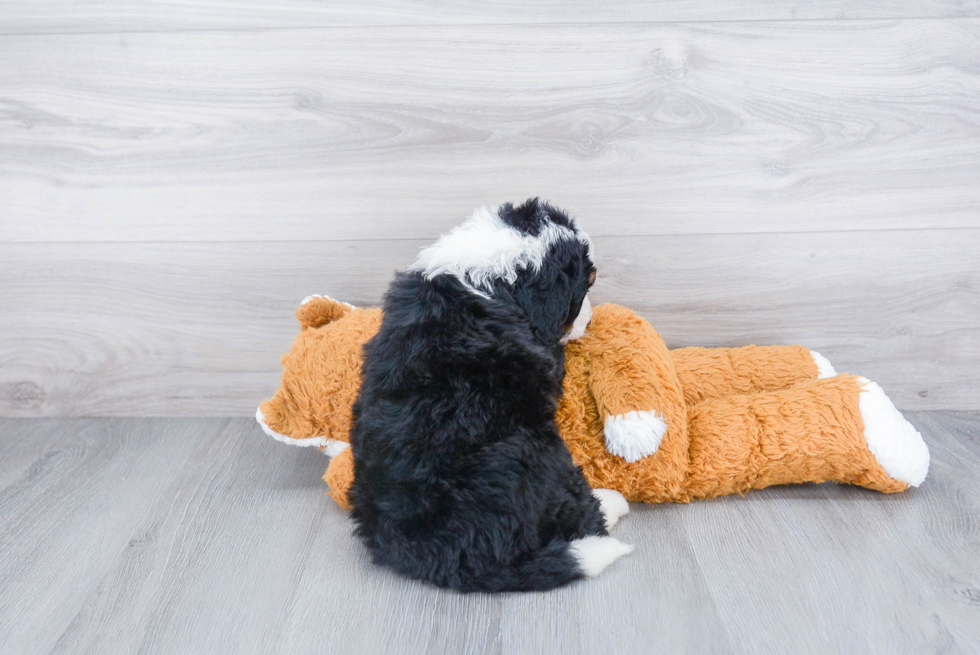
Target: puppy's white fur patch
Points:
(612, 504)
(824, 368)
(331, 447)
(894, 442)
(484, 249)
(634, 435)
(595, 553)
(581, 323)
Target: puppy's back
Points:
(460, 475)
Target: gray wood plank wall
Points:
(61, 16)
(175, 177)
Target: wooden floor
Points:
(202, 535)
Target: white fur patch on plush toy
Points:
(330, 447)
(613, 505)
(894, 442)
(824, 368)
(595, 553)
(634, 435)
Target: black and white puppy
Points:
(460, 475)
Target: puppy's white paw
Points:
(634, 435)
(594, 554)
(824, 368)
(894, 442)
(612, 504)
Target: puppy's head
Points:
(533, 251)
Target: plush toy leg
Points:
(840, 429)
(340, 476)
(718, 372)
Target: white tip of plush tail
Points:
(824, 368)
(894, 442)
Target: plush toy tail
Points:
(317, 310)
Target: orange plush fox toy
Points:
(656, 425)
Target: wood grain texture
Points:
(197, 329)
(233, 522)
(399, 132)
(26, 16)
(227, 543)
(73, 510)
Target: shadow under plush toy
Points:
(657, 425)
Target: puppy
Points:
(460, 475)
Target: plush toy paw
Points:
(634, 435)
(824, 368)
(894, 442)
(595, 553)
(340, 476)
(612, 504)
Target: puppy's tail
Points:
(557, 564)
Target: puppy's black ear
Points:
(552, 295)
(547, 299)
(531, 216)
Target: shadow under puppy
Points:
(461, 477)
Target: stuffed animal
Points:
(657, 425)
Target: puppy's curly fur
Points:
(460, 475)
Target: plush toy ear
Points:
(317, 310)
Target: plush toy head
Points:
(320, 380)
(321, 375)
